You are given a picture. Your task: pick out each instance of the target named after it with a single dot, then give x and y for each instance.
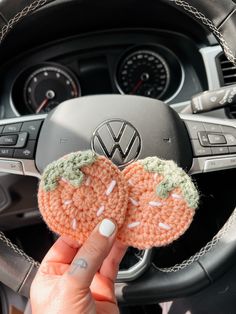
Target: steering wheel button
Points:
(216, 139)
(228, 130)
(231, 139)
(12, 128)
(219, 150)
(6, 152)
(219, 164)
(214, 164)
(203, 138)
(11, 166)
(8, 140)
(232, 150)
(22, 138)
(210, 127)
(193, 128)
(27, 152)
(198, 150)
(32, 127)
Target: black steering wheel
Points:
(148, 127)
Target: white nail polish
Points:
(106, 228)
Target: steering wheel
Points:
(135, 127)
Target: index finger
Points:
(63, 251)
(111, 264)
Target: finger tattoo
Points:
(78, 263)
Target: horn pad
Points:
(121, 127)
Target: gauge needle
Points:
(136, 87)
(42, 105)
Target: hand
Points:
(79, 280)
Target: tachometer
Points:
(48, 86)
(144, 73)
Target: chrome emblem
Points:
(118, 140)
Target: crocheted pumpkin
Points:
(162, 203)
(78, 191)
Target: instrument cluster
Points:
(150, 71)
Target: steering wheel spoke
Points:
(138, 269)
(213, 143)
(18, 143)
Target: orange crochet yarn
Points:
(154, 220)
(73, 206)
(153, 201)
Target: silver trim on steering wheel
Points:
(136, 270)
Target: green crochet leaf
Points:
(174, 177)
(68, 168)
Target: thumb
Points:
(92, 254)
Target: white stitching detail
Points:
(17, 250)
(200, 16)
(28, 9)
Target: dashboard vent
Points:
(228, 71)
(232, 111)
(228, 77)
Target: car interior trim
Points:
(209, 55)
(181, 84)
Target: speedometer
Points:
(48, 86)
(144, 73)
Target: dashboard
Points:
(160, 64)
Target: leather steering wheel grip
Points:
(17, 270)
(185, 279)
(12, 12)
(219, 16)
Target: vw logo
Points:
(118, 140)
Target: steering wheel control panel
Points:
(211, 140)
(18, 140)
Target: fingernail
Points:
(106, 228)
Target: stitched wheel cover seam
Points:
(194, 258)
(8, 242)
(21, 14)
(200, 16)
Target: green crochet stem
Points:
(67, 168)
(174, 177)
